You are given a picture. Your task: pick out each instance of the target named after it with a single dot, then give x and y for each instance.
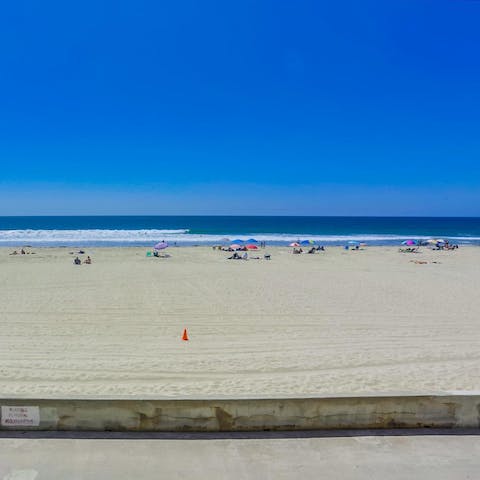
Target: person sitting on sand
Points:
(77, 261)
(22, 251)
(245, 256)
(88, 261)
(14, 253)
(235, 256)
(312, 250)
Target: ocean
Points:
(209, 230)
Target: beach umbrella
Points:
(252, 240)
(294, 244)
(234, 246)
(224, 240)
(252, 247)
(409, 242)
(432, 241)
(238, 241)
(307, 242)
(353, 242)
(161, 246)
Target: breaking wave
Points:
(145, 237)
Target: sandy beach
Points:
(337, 322)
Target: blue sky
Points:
(251, 107)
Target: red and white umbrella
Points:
(294, 244)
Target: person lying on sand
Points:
(422, 262)
(235, 256)
(14, 253)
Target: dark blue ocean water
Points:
(188, 230)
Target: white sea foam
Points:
(94, 235)
(183, 236)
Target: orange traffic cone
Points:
(185, 335)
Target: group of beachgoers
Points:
(433, 245)
(312, 250)
(244, 256)
(445, 246)
(22, 252)
(87, 261)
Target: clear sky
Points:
(240, 107)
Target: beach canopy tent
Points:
(161, 246)
(252, 247)
(410, 242)
(252, 240)
(294, 244)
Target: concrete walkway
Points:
(304, 456)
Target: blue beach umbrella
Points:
(307, 242)
(252, 240)
(238, 241)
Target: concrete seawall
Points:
(438, 411)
